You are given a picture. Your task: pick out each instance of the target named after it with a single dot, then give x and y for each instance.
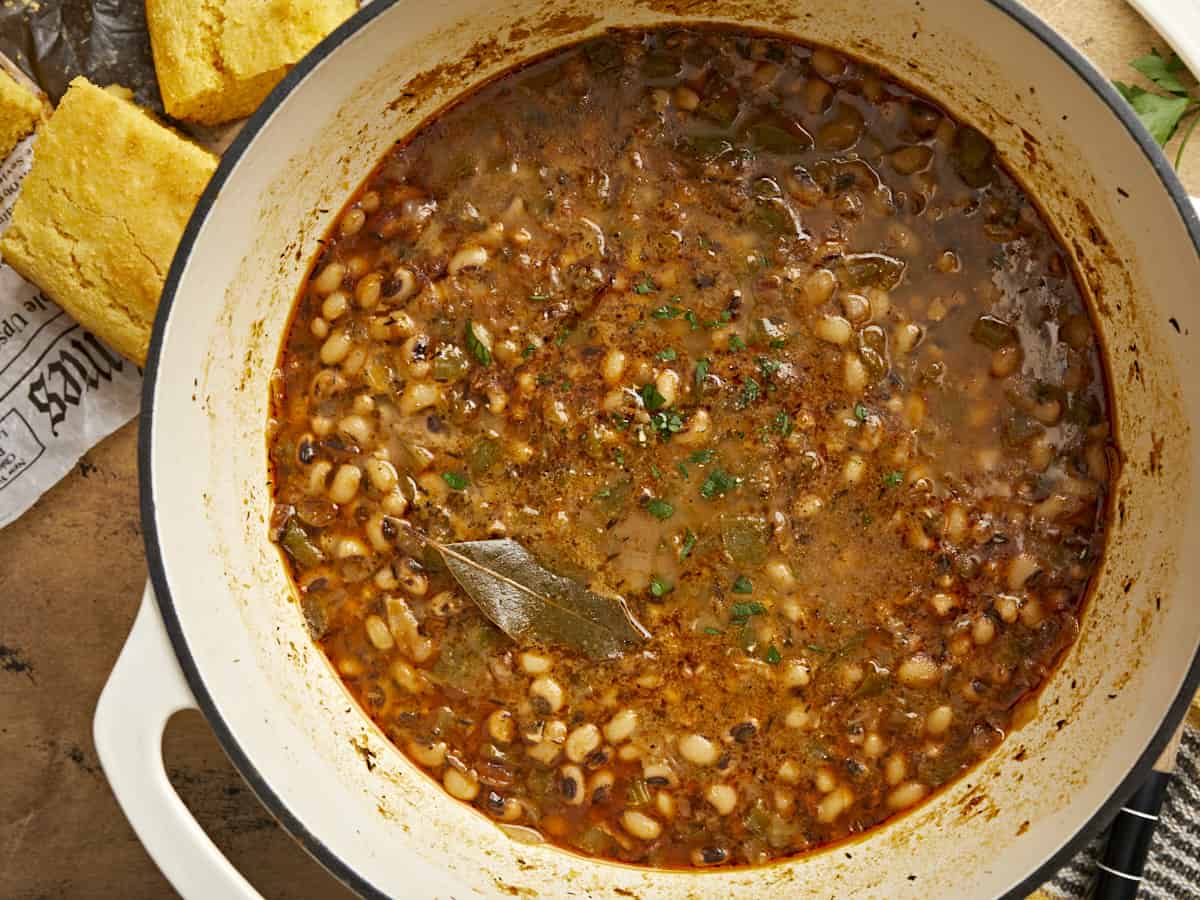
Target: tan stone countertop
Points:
(71, 576)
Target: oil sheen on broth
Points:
(739, 330)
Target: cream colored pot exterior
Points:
(280, 709)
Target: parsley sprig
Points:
(1170, 109)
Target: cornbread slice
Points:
(218, 59)
(20, 110)
(101, 212)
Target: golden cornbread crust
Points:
(217, 60)
(101, 212)
(20, 111)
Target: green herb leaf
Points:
(645, 286)
(692, 319)
(767, 366)
(736, 343)
(660, 509)
(1160, 115)
(476, 347)
(746, 609)
(893, 479)
(1161, 70)
(774, 657)
(651, 398)
(682, 470)
(750, 393)
(717, 484)
(538, 297)
(703, 456)
(667, 355)
(689, 544)
(666, 423)
(666, 311)
(456, 480)
(708, 629)
(861, 412)
(743, 585)
(701, 374)
(528, 351)
(783, 424)
(660, 588)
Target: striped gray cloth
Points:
(1173, 869)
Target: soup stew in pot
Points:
(750, 335)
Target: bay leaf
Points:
(533, 605)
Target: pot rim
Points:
(225, 736)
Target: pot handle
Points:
(145, 689)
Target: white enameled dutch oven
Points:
(219, 628)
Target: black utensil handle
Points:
(1120, 868)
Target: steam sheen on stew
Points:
(746, 333)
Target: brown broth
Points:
(750, 335)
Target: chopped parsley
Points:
(736, 343)
(619, 457)
(538, 296)
(740, 612)
(689, 544)
(666, 311)
(660, 588)
(743, 585)
(861, 412)
(656, 472)
(603, 494)
(893, 479)
(645, 286)
(701, 374)
(456, 480)
(660, 509)
(703, 456)
(651, 398)
(717, 484)
(666, 423)
(692, 319)
(667, 355)
(682, 469)
(562, 336)
(528, 351)
(774, 657)
(750, 392)
(708, 629)
(476, 347)
(782, 423)
(767, 366)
